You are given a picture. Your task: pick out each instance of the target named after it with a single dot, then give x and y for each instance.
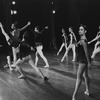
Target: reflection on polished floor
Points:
(60, 85)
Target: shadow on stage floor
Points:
(60, 86)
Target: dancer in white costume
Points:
(97, 45)
(72, 45)
(65, 41)
(39, 46)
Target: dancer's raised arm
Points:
(21, 29)
(97, 37)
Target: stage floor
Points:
(60, 86)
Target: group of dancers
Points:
(25, 50)
(72, 44)
(81, 55)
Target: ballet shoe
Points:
(87, 93)
(57, 54)
(11, 69)
(73, 60)
(62, 60)
(12, 65)
(46, 66)
(21, 76)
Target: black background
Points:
(68, 13)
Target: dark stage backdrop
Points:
(68, 13)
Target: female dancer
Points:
(65, 40)
(72, 45)
(97, 44)
(39, 46)
(26, 56)
(12, 42)
(84, 62)
(16, 33)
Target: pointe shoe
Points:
(21, 76)
(46, 66)
(12, 65)
(62, 60)
(73, 60)
(11, 69)
(57, 54)
(87, 93)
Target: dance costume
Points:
(81, 57)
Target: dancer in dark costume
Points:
(26, 56)
(39, 46)
(16, 34)
(72, 45)
(65, 41)
(84, 63)
(12, 42)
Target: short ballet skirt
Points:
(24, 51)
(80, 55)
(13, 43)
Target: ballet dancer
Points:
(72, 45)
(39, 46)
(26, 56)
(65, 41)
(96, 46)
(84, 63)
(16, 34)
(11, 42)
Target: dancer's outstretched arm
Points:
(21, 29)
(43, 29)
(97, 37)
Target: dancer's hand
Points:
(32, 49)
(0, 24)
(46, 27)
(29, 23)
(89, 42)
